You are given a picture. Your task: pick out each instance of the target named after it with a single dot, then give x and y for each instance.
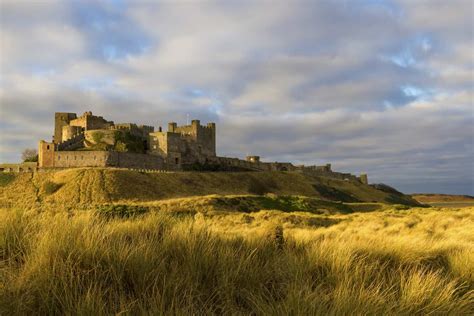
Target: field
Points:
(238, 253)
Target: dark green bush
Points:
(50, 187)
(32, 159)
(126, 141)
(6, 178)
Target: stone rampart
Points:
(71, 159)
(19, 167)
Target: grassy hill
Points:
(74, 187)
(439, 198)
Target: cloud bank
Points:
(384, 87)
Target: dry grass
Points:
(412, 262)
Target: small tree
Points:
(29, 155)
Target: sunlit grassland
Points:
(416, 261)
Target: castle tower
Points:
(364, 178)
(172, 127)
(45, 154)
(61, 119)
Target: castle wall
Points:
(71, 159)
(134, 161)
(70, 131)
(75, 142)
(19, 167)
(88, 122)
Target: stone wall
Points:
(71, 131)
(19, 167)
(75, 142)
(88, 121)
(72, 159)
(134, 161)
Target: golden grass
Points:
(411, 262)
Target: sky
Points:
(376, 86)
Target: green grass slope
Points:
(84, 186)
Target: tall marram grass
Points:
(83, 263)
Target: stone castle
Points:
(92, 141)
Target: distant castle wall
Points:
(70, 159)
(87, 121)
(19, 167)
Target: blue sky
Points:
(383, 87)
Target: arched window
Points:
(47, 147)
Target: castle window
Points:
(154, 146)
(59, 157)
(47, 147)
(176, 160)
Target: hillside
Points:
(446, 200)
(84, 186)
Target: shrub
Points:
(126, 141)
(6, 178)
(32, 159)
(50, 187)
(97, 137)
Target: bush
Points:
(6, 178)
(126, 141)
(97, 137)
(32, 159)
(50, 187)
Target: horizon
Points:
(381, 87)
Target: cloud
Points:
(383, 87)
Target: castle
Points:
(92, 141)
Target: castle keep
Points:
(92, 141)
